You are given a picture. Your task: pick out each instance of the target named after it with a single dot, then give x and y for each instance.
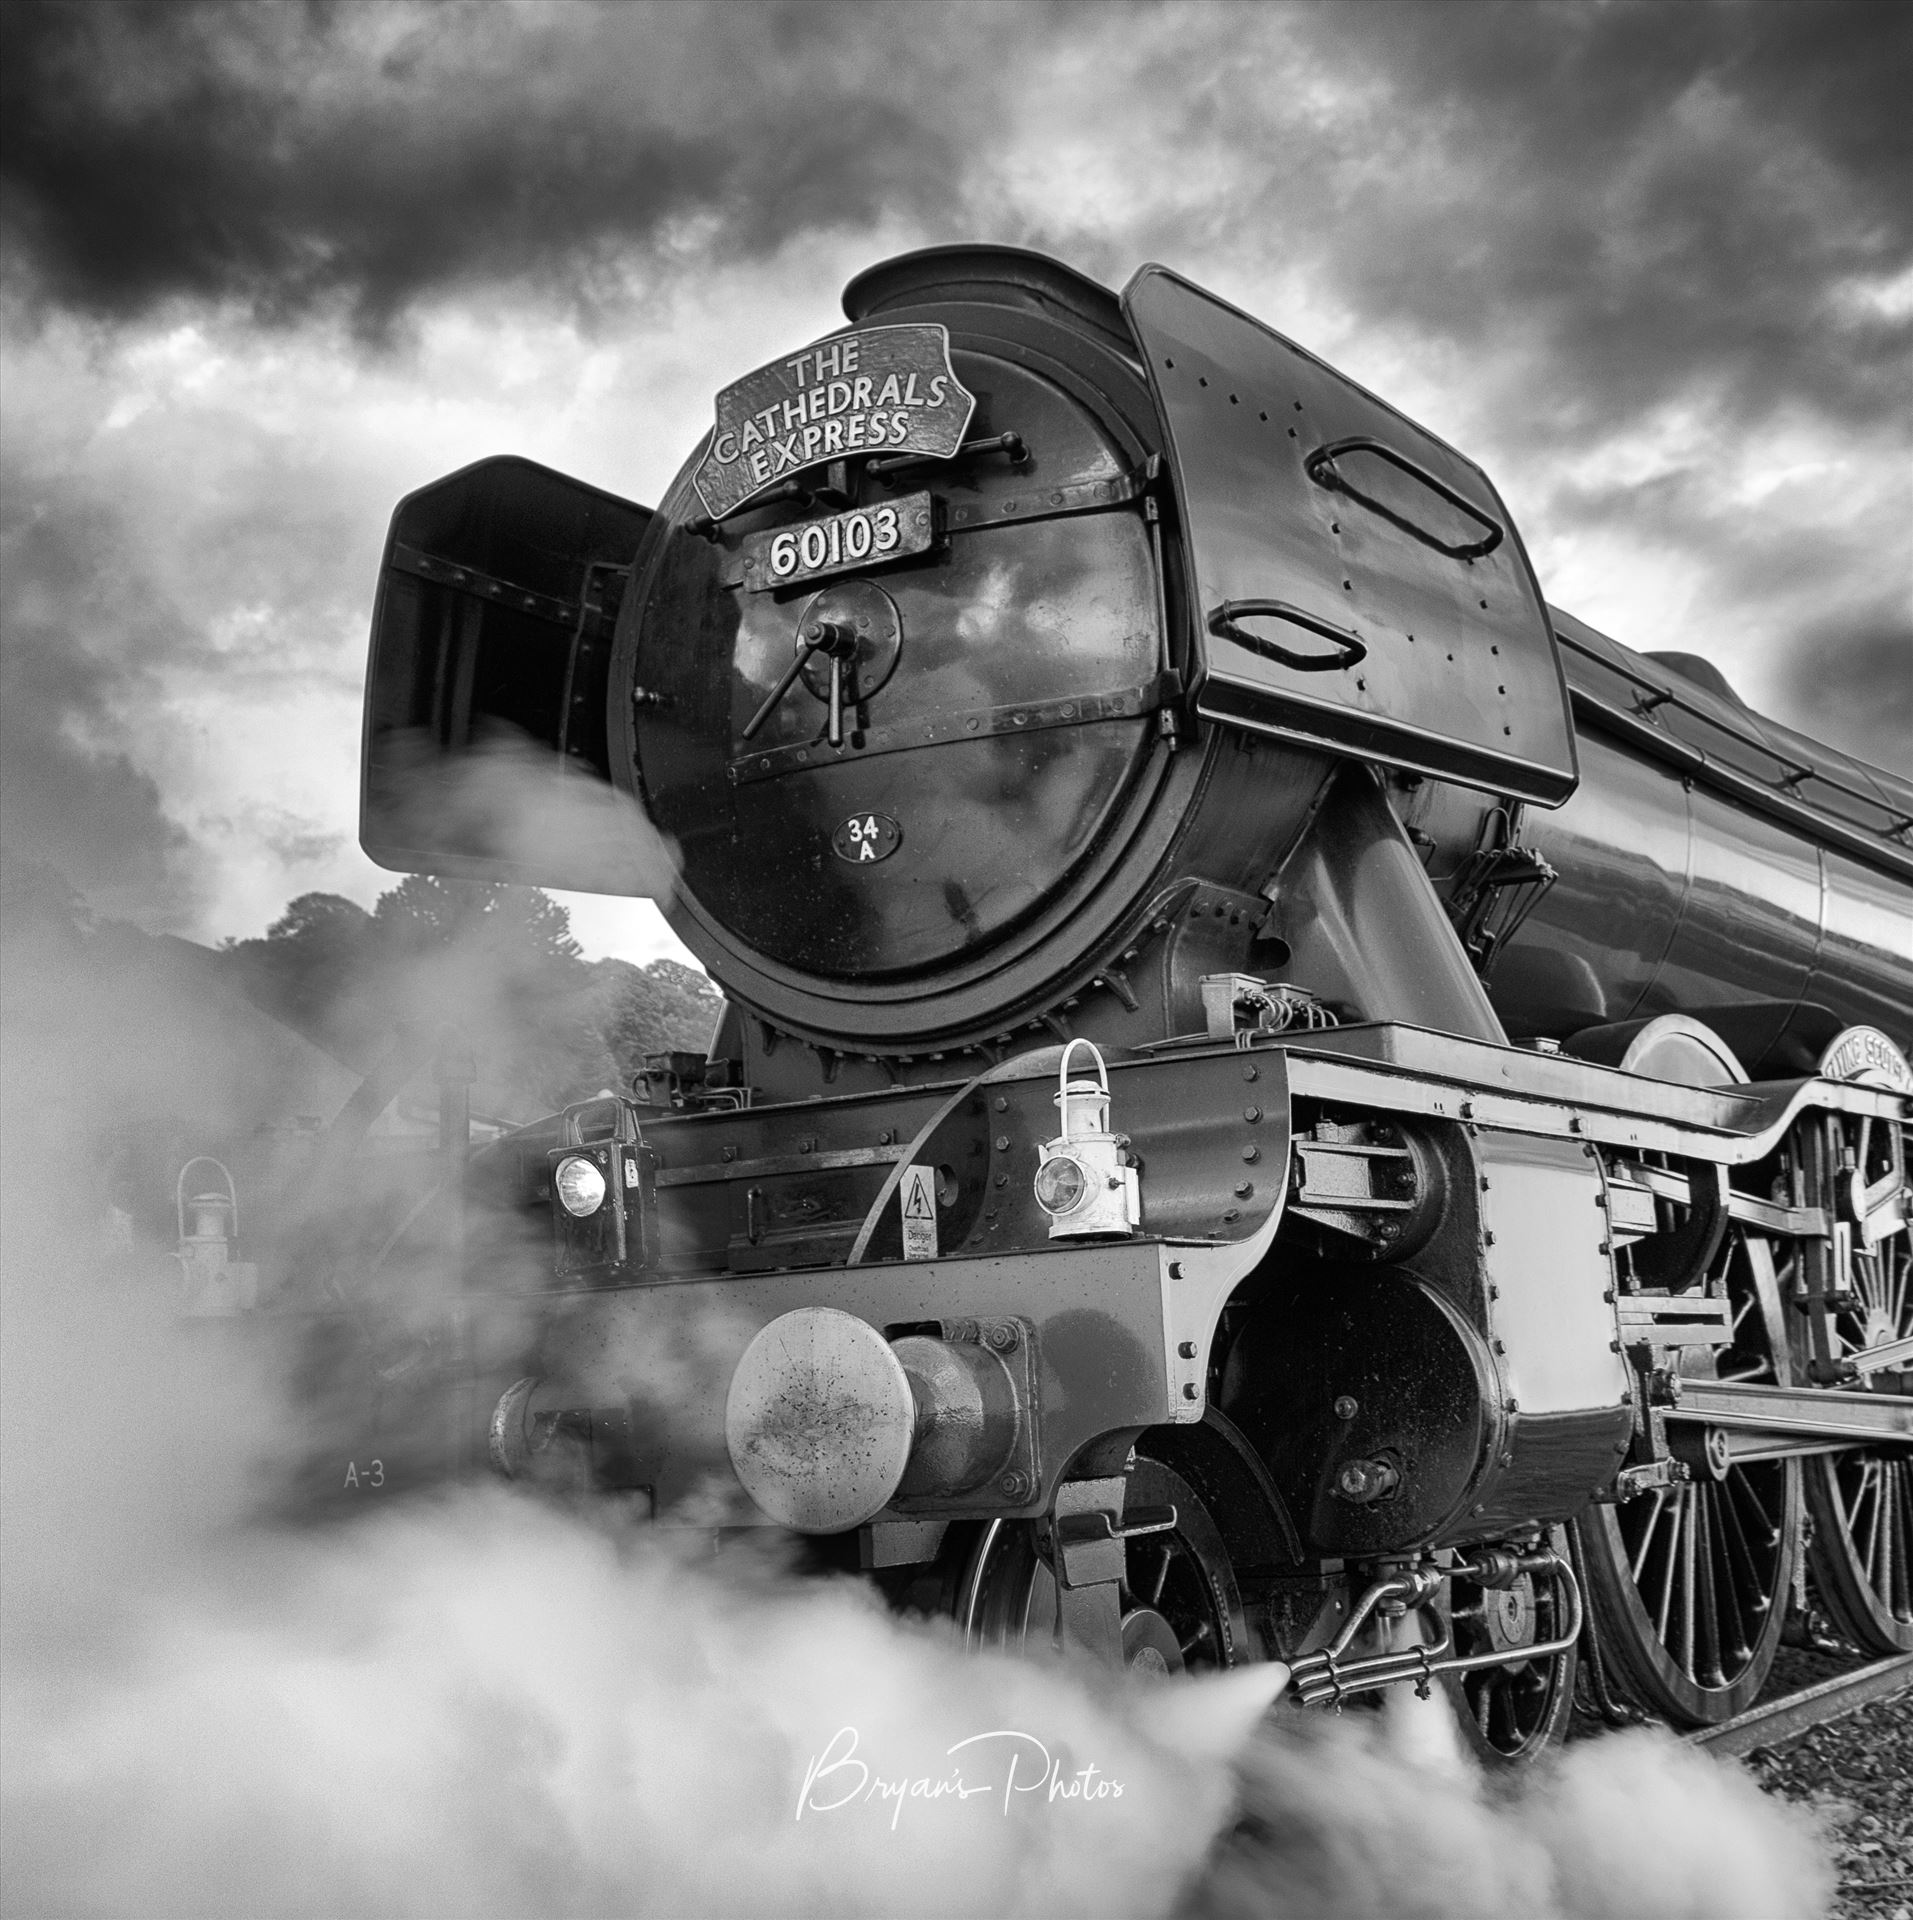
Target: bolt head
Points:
(1346, 1406)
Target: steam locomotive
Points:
(1279, 1097)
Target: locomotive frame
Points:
(1218, 716)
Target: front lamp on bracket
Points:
(1085, 1181)
(603, 1188)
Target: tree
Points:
(498, 963)
(308, 965)
(655, 1009)
(426, 910)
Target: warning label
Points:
(917, 1194)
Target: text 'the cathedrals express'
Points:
(887, 390)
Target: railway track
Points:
(1774, 1722)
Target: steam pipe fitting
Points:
(1324, 1678)
(1411, 1589)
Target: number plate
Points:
(845, 543)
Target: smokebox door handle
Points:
(1348, 649)
(1322, 469)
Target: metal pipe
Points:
(1320, 1677)
(1411, 1587)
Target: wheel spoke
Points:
(1737, 1575)
(1709, 1599)
(1892, 1576)
(1876, 1533)
(1867, 1284)
(1647, 1533)
(1162, 1572)
(1901, 1598)
(1753, 1540)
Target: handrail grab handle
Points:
(1321, 468)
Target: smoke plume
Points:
(482, 1702)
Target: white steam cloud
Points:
(510, 809)
(488, 1703)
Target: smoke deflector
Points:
(485, 752)
(1360, 585)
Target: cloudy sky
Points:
(269, 267)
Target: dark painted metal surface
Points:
(491, 644)
(1777, 924)
(1398, 618)
(990, 821)
(1681, 712)
(662, 1358)
(1040, 829)
(1017, 742)
(810, 1185)
(1363, 926)
(1863, 967)
(1346, 1365)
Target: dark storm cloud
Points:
(1836, 593)
(283, 156)
(1592, 217)
(1620, 227)
(1652, 194)
(1657, 198)
(69, 794)
(1850, 679)
(1683, 193)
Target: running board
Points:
(1765, 1423)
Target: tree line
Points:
(497, 962)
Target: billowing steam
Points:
(487, 1703)
(507, 808)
